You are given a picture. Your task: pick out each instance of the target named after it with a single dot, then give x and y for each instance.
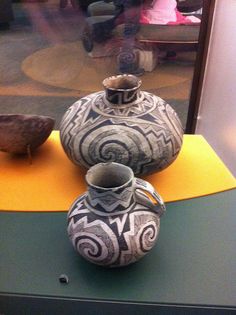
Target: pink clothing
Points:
(165, 12)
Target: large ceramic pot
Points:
(114, 223)
(124, 125)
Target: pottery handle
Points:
(159, 207)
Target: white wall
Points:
(217, 113)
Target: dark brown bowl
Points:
(24, 133)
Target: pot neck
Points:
(122, 89)
(110, 188)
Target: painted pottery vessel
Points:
(124, 125)
(114, 223)
(21, 134)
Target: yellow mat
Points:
(52, 181)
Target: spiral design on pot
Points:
(147, 236)
(95, 241)
(91, 247)
(114, 143)
(146, 136)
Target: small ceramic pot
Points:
(115, 223)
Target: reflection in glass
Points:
(55, 51)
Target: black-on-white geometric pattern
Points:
(116, 240)
(110, 201)
(145, 135)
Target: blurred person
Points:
(164, 12)
(6, 14)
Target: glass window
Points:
(53, 52)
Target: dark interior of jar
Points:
(123, 82)
(108, 175)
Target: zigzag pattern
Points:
(93, 132)
(126, 112)
(120, 222)
(114, 241)
(94, 240)
(115, 143)
(110, 201)
(135, 239)
(143, 105)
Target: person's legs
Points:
(6, 14)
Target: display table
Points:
(191, 270)
(52, 182)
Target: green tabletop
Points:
(191, 270)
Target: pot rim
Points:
(119, 76)
(88, 181)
